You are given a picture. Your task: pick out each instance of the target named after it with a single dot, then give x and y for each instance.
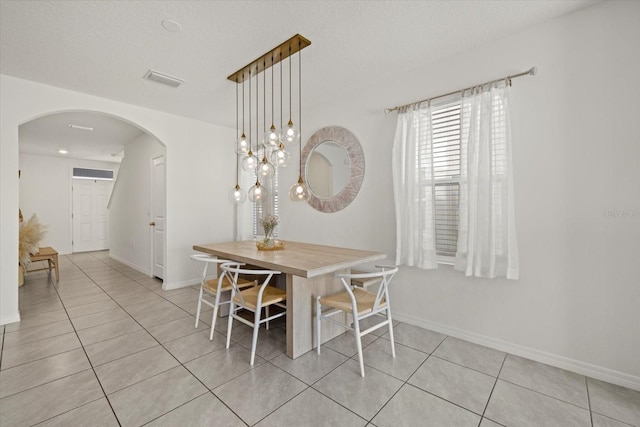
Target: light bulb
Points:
(242, 144)
(280, 157)
(271, 137)
(257, 193)
(249, 162)
(298, 191)
(289, 134)
(266, 169)
(237, 196)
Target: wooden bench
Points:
(51, 256)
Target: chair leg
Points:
(216, 304)
(393, 345)
(213, 321)
(199, 305)
(266, 309)
(356, 332)
(318, 322)
(254, 340)
(231, 314)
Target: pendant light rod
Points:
(280, 95)
(290, 86)
(237, 136)
(299, 107)
(272, 94)
(242, 108)
(264, 102)
(280, 52)
(250, 139)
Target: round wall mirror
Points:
(328, 169)
(334, 168)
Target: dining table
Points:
(309, 270)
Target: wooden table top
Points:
(300, 259)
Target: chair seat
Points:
(271, 295)
(364, 301)
(212, 284)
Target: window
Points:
(269, 205)
(97, 174)
(453, 185)
(445, 128)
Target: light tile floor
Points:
(107, 346)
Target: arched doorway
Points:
(94, 142)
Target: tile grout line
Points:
(406, 382)
(486, 405)
(2, 347)
(162, 345)
(586, 385)
(82, 346)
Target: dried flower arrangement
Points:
(269, 222)
(31, 233)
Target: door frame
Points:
(152, 215)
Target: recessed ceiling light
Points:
(63, 151)
(171, 25)
(163, 78)
(80, 127)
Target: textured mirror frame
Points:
(350, 143)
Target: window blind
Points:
(445, 127)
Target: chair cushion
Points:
(271, 295)
(364, 301)
(212, 284)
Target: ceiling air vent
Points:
(163, 78)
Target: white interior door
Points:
(158, 203)
(90, 216)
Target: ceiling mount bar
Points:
(277, 54)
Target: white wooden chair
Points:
(211, 285)
(253, 299)
(361, 304)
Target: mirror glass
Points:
(328, 169)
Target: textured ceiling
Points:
(105, 47)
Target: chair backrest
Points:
(201, 262)
(233, 269)
(385, 274)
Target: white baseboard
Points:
(577, 366)
(129, 264)
(177, 285)
(11, 318)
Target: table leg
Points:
(55, 263)
(301, 293)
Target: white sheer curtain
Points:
(487, 244)
(413, 185)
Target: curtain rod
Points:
(530, 72)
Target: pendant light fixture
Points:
(299, 191)
(266, 169)
(236, 195)
(249, 162)
(270, 149)
(289, 134)
(280, 156)
(242, 145)
(271, 137)
(257, 193)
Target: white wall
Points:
(45, 190)
(576, 154)
(194, 187)
(130, 204)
